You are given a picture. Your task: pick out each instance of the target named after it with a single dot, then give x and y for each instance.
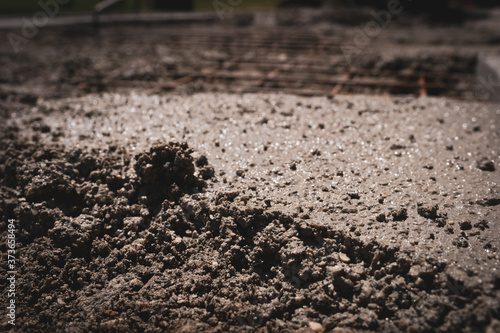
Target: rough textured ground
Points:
(139, 209)
(378, 214)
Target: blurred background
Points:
(440, 48)
(86, 6)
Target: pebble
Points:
(316, 327)
(485, 164)
(458, 276)
(335, 270)
(415, 271)
(132, 223)
(344, 258)
(366, 291)
(108, 325)
(465, 225)
(399, 214)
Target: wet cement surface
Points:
(142, 204)
(277, 213)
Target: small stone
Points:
(485, 164)
(397, 147)
(428, 211)
(465, 225)
(132, 223)
(353, 195)
(380, 217)
(380, 273)
(177, 241)
(108, 325)
(366, 291)
(344, 258)
(316, 327)
(335, 270)
(420, 283)
(482, 225)
(399, 214)
(415, 271)
(316, 152)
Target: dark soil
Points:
(113, 241)
(279, 214)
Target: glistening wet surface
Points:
(278, 213)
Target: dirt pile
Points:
(289, 213)
(114, 242)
